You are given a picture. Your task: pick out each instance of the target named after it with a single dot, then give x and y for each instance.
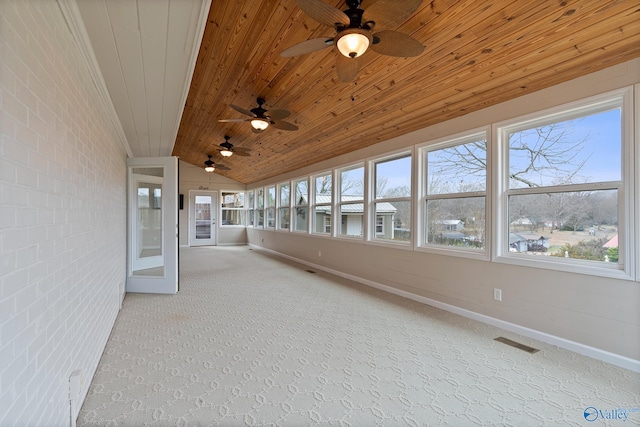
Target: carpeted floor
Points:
(253, 340)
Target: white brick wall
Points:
(62, 216)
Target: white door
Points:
(152, 265)
(202, 217)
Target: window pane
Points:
(393, 178)
(301, 218)
(352, 184)
(271, 196)
(582, 150)
(302, 192)
(351, 220)
(456, 222)
(271, 217)
(458, 169)
(579, 225)
(232, 200)
(260, 217)
(251, 205)
(250, 217)
(323, 188)
(322, 218)
(232, 217)
(393, 221)
(260, 198)
(284, 195)
(283, 215)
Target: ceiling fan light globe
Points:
(259, 124)
(353, 42)
(226, 153)
(209, 168)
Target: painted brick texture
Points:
(62, 216)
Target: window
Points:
(322, 185)
(251, 208)
(232, 208)
(454, 193)
(563, 186)
(284, 203)
(379, 224)
(392, 198)
(271, 206)
(260, 207)
(301, 205)
(351, 203)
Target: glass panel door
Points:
(153, 220)
(202, 218)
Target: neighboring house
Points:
(352, 214)
(522, 223)
(520, 243)
(450, 224)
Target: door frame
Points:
(168, 281)
(213, 241)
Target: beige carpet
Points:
(253, 340)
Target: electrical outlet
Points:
(497, 294)
(75, 384)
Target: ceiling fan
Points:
(354, 36)
(227, 149)
(210, 165)
(261, 118)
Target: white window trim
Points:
(444, 142)
(295, 206)
(243, 209)
(250, 208)
(313, 205)
(339, 203)
(370, 198)
(626, 223)
(279, 207)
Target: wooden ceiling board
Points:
(477, 54)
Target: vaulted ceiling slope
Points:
(145, 51)
(477, 53)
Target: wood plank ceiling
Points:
(478, 53)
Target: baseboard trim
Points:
(585, 350)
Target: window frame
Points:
(626, 268)
(338, 203)
(270, 207)
(260, 195)
(279, 206)
(371, 199)
(295, 205)
(250, 208)
(240, 209)
(314, 204)
(460, 138)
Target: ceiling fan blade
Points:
(232, 120)
(388, 13)
(278, 114)
(279, 124)
(222, 168)
(394, 43)
(241, 153)
(242, 110)
(323, 13)
(347, 68)
(307, 46)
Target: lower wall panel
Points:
(592, 315)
